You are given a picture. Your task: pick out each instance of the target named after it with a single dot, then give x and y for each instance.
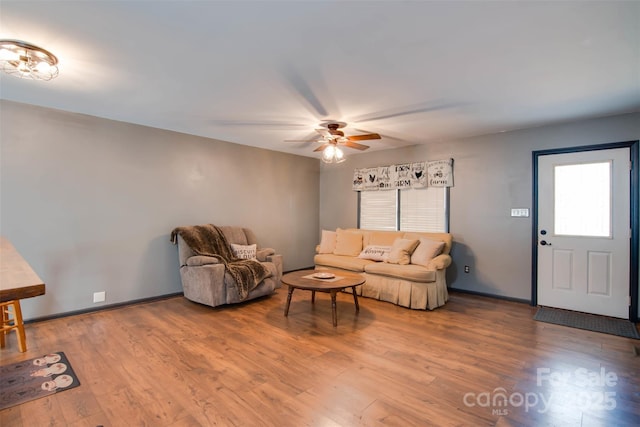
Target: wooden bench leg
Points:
(5, 323)
(12, 319)
(17, 321)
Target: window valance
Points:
(437, 173)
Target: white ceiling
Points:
(262, 72)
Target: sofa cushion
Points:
(401, 251)
(426, 251)
(383, 238)
(413, 272)
(348, 243)
(244, 251)
(327, 242)
(447, 238)
(375, 252)
(345, 262)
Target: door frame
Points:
(634, 148)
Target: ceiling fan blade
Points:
(386, 135)
(322, 147)
(304, 90)
(299, 143)
(355, 145)
(363, 137)
(264, 123)
(423, 107)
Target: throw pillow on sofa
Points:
(327, 242)
(426, 251)
(244, 251)
(348, 243)
(375, 252)
(401, 251)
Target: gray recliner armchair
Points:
(208, 278)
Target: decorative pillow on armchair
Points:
(244, 251)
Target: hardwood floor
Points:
(177, 363)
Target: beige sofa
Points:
(204, 280)
(416, 282)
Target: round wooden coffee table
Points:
(304, 279)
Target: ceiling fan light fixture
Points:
(333, 154)
(328, 153)
(25, 60)
(8, 55)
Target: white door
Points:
(584, 231)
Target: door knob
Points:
(545, 243)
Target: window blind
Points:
(378, 210)
(423, 209)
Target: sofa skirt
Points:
(415, 295)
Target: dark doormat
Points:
(35, 378)
(590, 322)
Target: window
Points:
(415, 209)
(378, 210)
(582, 199)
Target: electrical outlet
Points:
(466, 269)
(99, 296)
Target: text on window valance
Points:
(437, 173)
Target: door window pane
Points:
(582, 199)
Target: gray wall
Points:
(90, 202)
(493, 174)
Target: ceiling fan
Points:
(332, 136)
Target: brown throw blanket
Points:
(208, 240)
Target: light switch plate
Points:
(520, 212)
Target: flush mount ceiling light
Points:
(27, 61)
